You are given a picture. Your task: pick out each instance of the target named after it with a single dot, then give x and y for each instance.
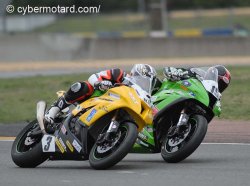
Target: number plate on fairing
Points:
(48, 143)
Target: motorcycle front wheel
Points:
(27, 151)
(179, 147)
(108, 154)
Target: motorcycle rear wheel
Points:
(27, 152)
(119, 149)
(172, 153)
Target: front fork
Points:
(113, 127)
(181, 125)
(183, 119)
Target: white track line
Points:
(7, 138)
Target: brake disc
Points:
(106, 146)
(179, 139)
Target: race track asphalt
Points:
(219, 131)
(210, 165)
(224, 162)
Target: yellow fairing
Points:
(122, 97)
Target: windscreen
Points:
(143, 82)
(209, 79)
(211, 74)
(206, 73)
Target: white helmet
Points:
(143, 70)
(144, 73)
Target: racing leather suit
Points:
(81, 91)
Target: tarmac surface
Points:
(219, 131)
(209, 165)
(222, 159)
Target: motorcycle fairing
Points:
(171, 91)
(116, 98)
(66, 145)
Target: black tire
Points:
(190, 145)
(119, 152)
(27, 156)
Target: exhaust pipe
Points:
(40, 110)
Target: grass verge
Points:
(18, 96)
(236, 99)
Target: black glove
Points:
(174, 74)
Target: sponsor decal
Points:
(180, 92)
(48, 143)
(169, 91)
(183, 88)
(77, 146)
(59, 145)
(79, 108)
(63, 145)
(71, 148)
(192, 94)
(91, 115)
(133, 98)
(116, 96)
(149, 129)
(104, 108)
(186, 83)
(143, 144)
(63, 129)
(142, 136)
(105, 99)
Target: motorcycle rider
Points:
(176, 74)
(81, 91)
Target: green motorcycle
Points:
(182, 110)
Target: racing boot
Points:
(51, 114)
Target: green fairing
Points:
(167, 94)
(145, 142)
(171, 91)
(147, 135)
(137, 148)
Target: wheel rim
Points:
(26, 143)
(173, 144)
(106, 149)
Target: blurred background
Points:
(135, 16)
(125, 29)
(119, 34)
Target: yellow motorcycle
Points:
(102, 129)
